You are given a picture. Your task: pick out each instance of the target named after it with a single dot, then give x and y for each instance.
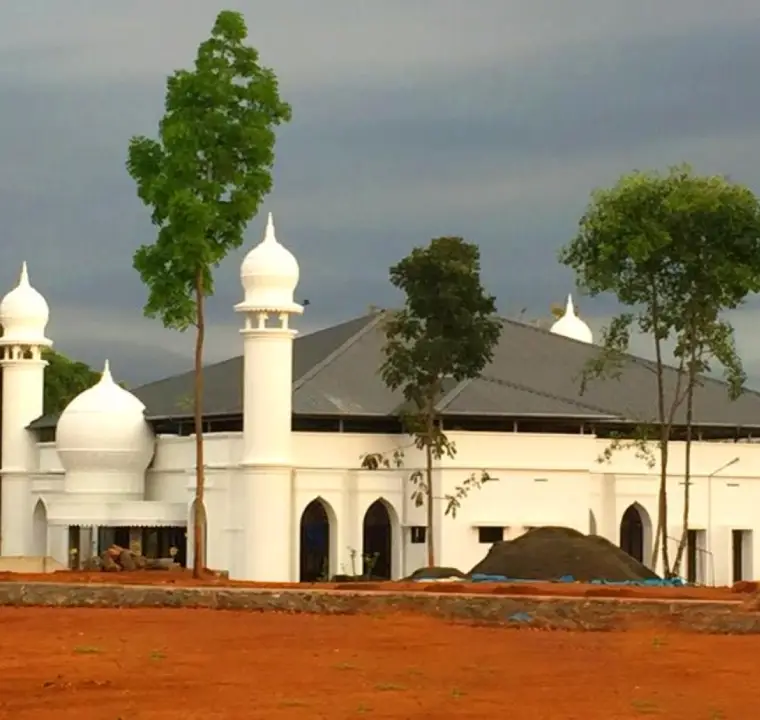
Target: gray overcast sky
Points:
(493, 119)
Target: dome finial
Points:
(570, 308)
(23, 279)
(269, 235)
(106, 374)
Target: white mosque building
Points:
(287, 424)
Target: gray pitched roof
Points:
(533, 374)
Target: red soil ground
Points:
(190, 664)
(185, 579)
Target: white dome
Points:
(104, 429)
(24, 314)
(571, 326)
(269, 274)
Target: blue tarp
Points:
(655, 582)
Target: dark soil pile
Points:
(549, 553)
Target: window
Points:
(490, 535)
(418, 534)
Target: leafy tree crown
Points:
(207, 173)
(448, 326)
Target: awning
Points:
(133, 513)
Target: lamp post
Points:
(709, 499)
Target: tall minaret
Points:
(262, 503)
(24, 317)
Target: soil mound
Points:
(549, 553)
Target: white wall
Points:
(541, 480)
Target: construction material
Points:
(118, 559)
(554, 553)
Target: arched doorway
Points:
(315, 543)
(40, 530)
(190, 535)
(635, 532)
(378, 541)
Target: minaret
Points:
(262, 502)
(24, 317)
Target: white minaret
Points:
(23, 316)
(262, 503)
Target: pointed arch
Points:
(40, 529)
(318, 541)
(380, 530)
(636, 533)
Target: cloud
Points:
(492, 120)
(338, 39)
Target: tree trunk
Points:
(662, 505)
(199, 517)
(687, 463)
(429, 505)
(430, 435)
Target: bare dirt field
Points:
(164, 664)
(181, 578)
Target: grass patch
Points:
(87, 650)
(293, 703)
(645, 707)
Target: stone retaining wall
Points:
(552, 613)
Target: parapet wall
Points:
(550, 613)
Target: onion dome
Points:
(571, 326)
(269, 275)
(103, 429)
(24, 314)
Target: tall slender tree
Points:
(677, 250)
(204, 179)
(448, 328)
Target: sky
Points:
(489, 119)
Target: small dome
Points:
(571, 326)
(104, 429)
(269, 274)
(24, 314)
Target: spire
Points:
(23, 279)
(570, 308)
(106, 375)
(269, 235)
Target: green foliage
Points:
(203, 180)
(206, 175)
(448, 328)
(677, 250)
(388, 461)
(64, 380)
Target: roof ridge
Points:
(552, 396)
(335, 354)
(628, 355)
(453, 394)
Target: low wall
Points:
(554, 613)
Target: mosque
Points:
(288, 423)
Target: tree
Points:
(203, 180)
(677, 250)
(448, 328)
(64, 380)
